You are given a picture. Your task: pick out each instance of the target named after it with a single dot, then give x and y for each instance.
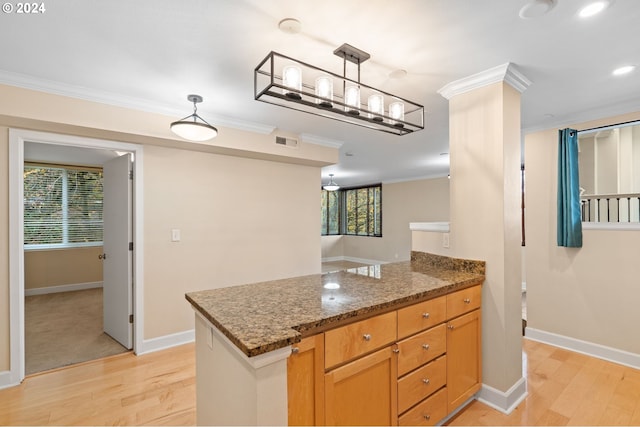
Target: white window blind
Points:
(62, 207)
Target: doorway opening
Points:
(88, 297)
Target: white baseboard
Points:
(504, 402)
(332, 259)
(610, 354)
(166, 341)
(6, 380)
(365, 261)
(62, 288)
(353, 259)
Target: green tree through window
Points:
(62, 206)
(352, 211)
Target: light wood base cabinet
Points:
(464, 358)
(428, 412)
(363, 392)
(305, 382)
(412, 366)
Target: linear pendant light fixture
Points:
(290, 83)
(190, 128)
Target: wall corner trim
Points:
(599, 351)
(507, 73)
(504, 402)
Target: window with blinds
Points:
(62, 207)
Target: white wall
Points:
(587, 293)
(424, 200)
(236, 227)
(239, 231)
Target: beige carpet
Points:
(65, 328)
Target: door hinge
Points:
(130, 246)
(131, 174)
(131, 318)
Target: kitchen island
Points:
(245, 334)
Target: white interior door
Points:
(117, 255)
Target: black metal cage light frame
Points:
(287, 82)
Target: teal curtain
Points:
(569, 216)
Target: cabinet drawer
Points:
(421, 316)
(428, 412)
(417, 350)
(422, 382)
(350, 341)
(463, 301)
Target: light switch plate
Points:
(175, 235)
(445, 240)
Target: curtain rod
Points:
(618, 125)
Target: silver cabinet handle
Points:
(467, 301)
(450, 326)
(427, 417)
(367, 337)
(396, 350)
(295, 350)
(425, 315)
(425, 346)
(426, 380)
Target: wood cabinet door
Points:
(305, 382)
(363, 392)
(464, 358)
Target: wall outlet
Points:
(445, 240)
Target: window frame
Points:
(343, 207)
(606, 225)
(63, 245)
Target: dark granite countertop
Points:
(266, 316)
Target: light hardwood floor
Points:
(152, 389)
(565, 388)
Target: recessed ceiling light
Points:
(593, 8)
(536, 8)
(290, 26)
(623, 70)
(398, 74)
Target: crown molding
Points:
(318, 140)
(577, 120)
(118, 100)
(502, 73)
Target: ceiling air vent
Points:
(287, 142)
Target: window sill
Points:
(611, 226)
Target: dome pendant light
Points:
(331, 186)
(192, 129)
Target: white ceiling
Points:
(153, 53)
